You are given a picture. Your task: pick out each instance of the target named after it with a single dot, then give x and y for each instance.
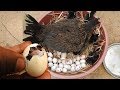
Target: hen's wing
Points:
(65, 36)
(34, 29)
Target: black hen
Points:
(68, 35)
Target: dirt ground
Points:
(11, 31)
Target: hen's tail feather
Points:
(92, 23)
(71, 14)
(32, 39)
(32, 25)
(90, 15)
(31, 18)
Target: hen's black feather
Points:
(71, 14)
(90, 15)
(68, 35)
(32, 26)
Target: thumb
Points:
(20, 47)
(20, 65)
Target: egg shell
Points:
(37, 65)
(50, 54)
(72, 69)
(64, 70)
(83, 65)
(82, 57)
(78, 68)
(58, 53)
(65, 66)
(53, 68)
(69, 67)
(82, 61)
(56, 65)
(77, 63)
(74, 60)
(27, 49)
(58, 70)
(73, 65)
(59, 61)
(78, 57)
(50, 64)
(64, 61)
(49, 59)
(69, 62)
(61, 65)
(54, 60)
(63, 55)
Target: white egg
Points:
(65, 66)
(73, 65)
(78, 68)
(54, 53)
(37, 65)
(77, 63)
(83, 65)
(64, 61)
(63, 55)
(82, 61)
(78, 57)
(58, 69)
(50, 64)
(56, 65)
(74, 60)
(64, 70)
(49, 59)
(50, 54)
(53, 68)
(61, 65)
(54, 60)
(61, 69)
(69, 62)
(72, 69)
(59, 61)
(69, 67)
(58, 53)
(82, 57)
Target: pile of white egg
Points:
(65, 65)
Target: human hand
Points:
(12, 61)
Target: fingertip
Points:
(27, 42)
(23, 45)
(20, 65)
